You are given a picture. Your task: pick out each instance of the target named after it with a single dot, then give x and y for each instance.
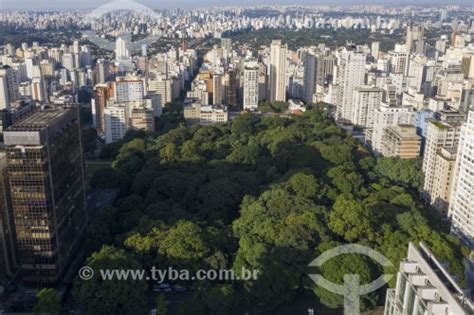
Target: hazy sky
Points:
(66, 4)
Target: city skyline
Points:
(261, 139)
(170, 4)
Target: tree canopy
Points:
(266, 193)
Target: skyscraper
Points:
(251, 70)
(116, 118)
(226, 44)
(102, 93)
(8, 87)
(415, 33)
(461, 210)
(324, 69)
(44, 182)
(437, 187)
(121, 51)
(129, 91)
(8, 263)
(217, 88)
(351, 74)
(277, 80)
(366, 100)
(309, 60)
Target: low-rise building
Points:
(196, 113)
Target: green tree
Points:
(161, 305)
(111, 296)
(48, 302)
(350, 219)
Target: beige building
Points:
(440, 135)
(278, 65)
(143, 119)
(441, 188)
(401, 141)
(196, 113)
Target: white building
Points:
(121, 51)
(278, 65)
(129, 91)
(116, 122)
(366, 100)
(251, 85)
(424, 286)
(388, 116)
(351, 74)
(461, 209)
(8, 87)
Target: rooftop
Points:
(39, 120)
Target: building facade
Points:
(440, 135)
(401, 141)
(251, 85)
(44, 183)
(278, 65)
(424, 286)
(461, 210)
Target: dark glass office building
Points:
(44, 183)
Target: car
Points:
(178, 288)
(162, 287)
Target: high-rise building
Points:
(163, 87)
(366, 100)
(401, 141)
(309, 60)
(461, 210)
(47, 207)
(102, 93)
(128, 91)
(9, 91)
(439, 135)
(121, 50)
(217, 88)
(229, 81)
(8, 256)
(278, 65)
(351, 74)
(415, 33)
(116, 118)
(68, 61)
(226, 44)
(324, 69)
(374, 50)
(38, 90)
(142, 119)
(398, 60)
(4, 97)
(387, 116)
(102, 69)
(251, 85)
(424, 286)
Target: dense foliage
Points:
(332, 38)
(266, 193)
